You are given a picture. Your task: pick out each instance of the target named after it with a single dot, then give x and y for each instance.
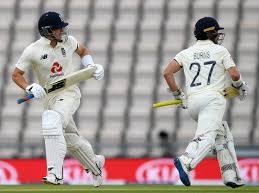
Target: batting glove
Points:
(99, 72)
(243, 90)
(36, 90)
(179, 94)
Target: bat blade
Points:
(228, 92)
(70, 80)
(167, 102)
(65, 82)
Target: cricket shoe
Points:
(52, 179)
(231, 180)
(183, 171)
(98, 179)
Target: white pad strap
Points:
(55, 144)
(82, 150)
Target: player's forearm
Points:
(234, 73)
(82, 51)
(85, 56)
(19, 80)
(170, 80)
(168, 73)
(236, 78)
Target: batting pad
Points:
(55, 144)
(199, 148)
(226, 156)
(82, 150)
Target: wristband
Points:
(238, 83)
(87, 60)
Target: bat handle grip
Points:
(26, 98)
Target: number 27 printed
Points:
(194, 82)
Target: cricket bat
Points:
(228, 92)
(64, 82)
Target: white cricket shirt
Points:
(48, 63)
(204, 65)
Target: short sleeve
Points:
(227, 60)
(179, 58)
(74, 42)
(25, 61)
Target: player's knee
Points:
(220, 143)
(64, 116)
(73, 141)
(227, 131)
(209, 137)
(51, 123)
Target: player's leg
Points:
(227, 159)
(60, 109)
(55, 146)
(82, 150)
(196, 150)
(67, 104)
(209, 124)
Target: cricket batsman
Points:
(50, 57)
(205, 65)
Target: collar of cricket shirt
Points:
(202, 42)
(46, 41)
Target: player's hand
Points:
(99, 72)
(179, 94)
(36, 90)
(243, 91)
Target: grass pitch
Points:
(125, 189)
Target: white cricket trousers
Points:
(207, 109)
(66, 104)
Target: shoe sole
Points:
(234, 185)
(183, 176)
(44, 181)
